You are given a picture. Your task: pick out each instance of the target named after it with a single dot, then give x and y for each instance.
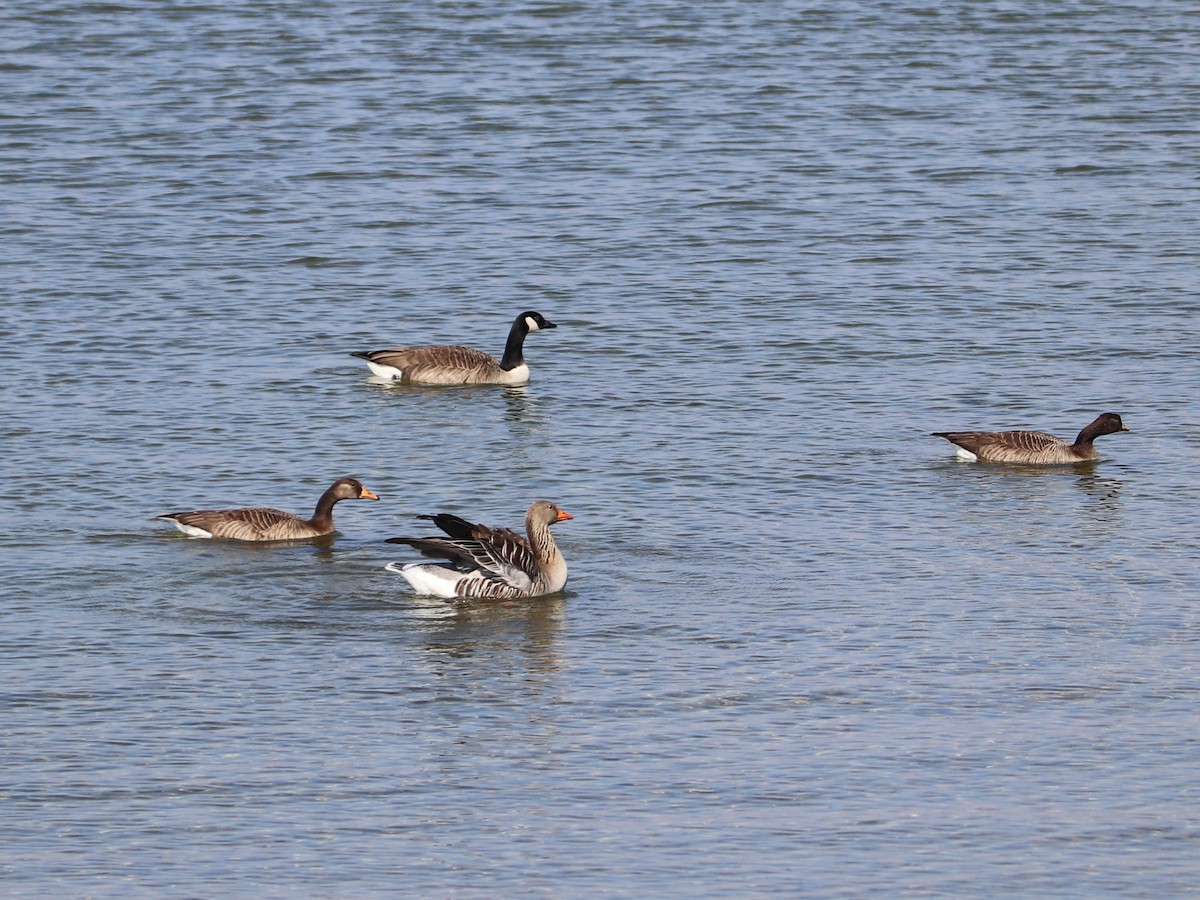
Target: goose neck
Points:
(541, 540)
(323, 515)
(1087, 435)
(514, 349)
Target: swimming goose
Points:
(459, 365)
(1031, 447)
(489, 563)
(258, 523)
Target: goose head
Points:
(1108, 423)
(543, 512)
(351, 489)
(534, 321)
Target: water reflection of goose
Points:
(459, 365)
(1032, 447)
(489, 563)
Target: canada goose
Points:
(258, 523)
(459, 365)
(489, 563)
(1031, 447)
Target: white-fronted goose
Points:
(258, 523)
(1032, 447)
(489, 563)
(459, 365)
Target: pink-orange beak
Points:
(563, 515)
(368, 495)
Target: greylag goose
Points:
(258, 523)
(459, 365)
(1032, 447)
(489, 563)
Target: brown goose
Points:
(459, 365)
(489, 563)
(258, 523)
(1032, 447)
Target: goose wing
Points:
(1006, 446)
(455, 526)
(502, 543)
(254, 523)
(415, 359)
(496, 553)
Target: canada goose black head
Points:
(533, 321)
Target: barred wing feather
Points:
(505, 562)
(255, 523)
(1013, 446)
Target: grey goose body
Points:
(457, 365)
(489, 563)
(262, 523)
(1033, 447)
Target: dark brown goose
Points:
(259, 523)
(489, 563)
(459, 365)
(1032, 447)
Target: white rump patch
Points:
(430, 579)
(964, 453)
(391, 373)
(190, 530)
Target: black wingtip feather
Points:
(452, 525)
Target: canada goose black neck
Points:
(1107, 423)
(514, 349)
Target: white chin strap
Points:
(531, 325)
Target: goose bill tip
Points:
(368, 495)
(563, 515)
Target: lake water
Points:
(803, 650)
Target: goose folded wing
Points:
(1032, 440)
(248, 523)
(1017, 445)
(1002, 442)
(435, 357)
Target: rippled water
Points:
(803, 649)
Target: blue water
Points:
(803, 650)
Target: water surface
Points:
(803, 649)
